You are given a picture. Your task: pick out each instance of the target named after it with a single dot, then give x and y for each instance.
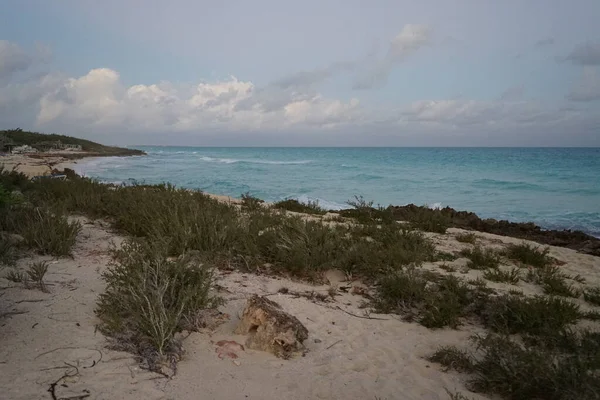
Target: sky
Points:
(309, 73)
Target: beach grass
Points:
(529, 255)
(482, 258)
(311, 207)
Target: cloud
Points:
(99, 99)
(309, 78)
(410, 39)
(12, 59)
(549, 41)
(584, 54)
(513, 93)
(588, 86)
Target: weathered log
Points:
(271, 329)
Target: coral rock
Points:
(271, 329)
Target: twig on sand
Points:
(29, 301)
(11, 313)
(360, 316)
(52, 388)
(333, 344)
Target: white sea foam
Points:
(325, 204)
(234, 161)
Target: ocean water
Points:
(557, 188)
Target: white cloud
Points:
(410, 39)
(100, 99)
(588, 86)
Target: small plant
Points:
(537, 315)
(515, 292)
(251, 203)
(592, 295)
(511, 276)
(466, 238)
(8, 252)
(553, 281)
(516, 372)
(312, 207)
(36, 273)
(452, 358)
(445, 256)
(447, 268)
(457, 396)
(149, 297)
(529, 255)
(16, 276)
(480, 258)
(45, 230)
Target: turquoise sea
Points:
(557, 188)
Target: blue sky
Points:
(433, 72)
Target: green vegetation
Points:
(295, 206)
(20, 137)
(537, 315)
(553, 281)
(435, 303)
(511, 276)
(529, 255)
(149, 298)
(36, 273)
(251, 203)
(592, 295)
(480, 258)
(466, 238)
(452, 358)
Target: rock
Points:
(271, 329)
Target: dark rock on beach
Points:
(575, 240)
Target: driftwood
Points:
(271, 329)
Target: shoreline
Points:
(47, 163)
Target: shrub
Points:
(8, 251)
(435, 303)
(466, 238)
(36, 273)
(592, 295)
(516, 372)
(480, 258)
(529, 255)
(47, 231)
(553, 281)
(537, 315)
(148, 297)
(251, 203)
(312, 207)
(364, 212)
(511, 276)
(429, 220)
(453, 359)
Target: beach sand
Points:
(351, 354)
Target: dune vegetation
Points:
(162, 278)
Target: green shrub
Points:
(529, 255)
(466, 238)
(453, 359)
(592, 295)
(36, 273)
(148, 297)
(511, 276)
(537, 315)
(8, 251)
(251, 203)
(47, 231)
(520, 372)
(312, 207)
(553, 281)
(480, 258)
(429, 220)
